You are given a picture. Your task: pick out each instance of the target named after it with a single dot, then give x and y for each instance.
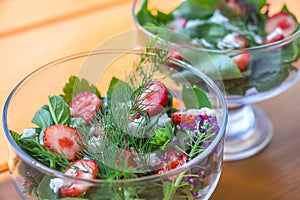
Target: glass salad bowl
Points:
(115, 124)
(253, 44)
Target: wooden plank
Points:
(19, 15)
(25, 52)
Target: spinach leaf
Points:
(16, 136)
(290, 52)
(195, 98)
(76, 86)
(214, 65)
(194, 9)
(256, 3)
(44, 191)
(59, 110)
(118, 91)
(42, 118)
(211, 32)
(145, 16)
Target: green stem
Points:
(172, 188)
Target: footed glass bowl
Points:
(154, 135)
(252, 46)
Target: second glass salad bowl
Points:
(254, 45)
(115, 124)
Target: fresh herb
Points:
(195, 98)
(76, 86)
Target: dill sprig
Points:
(123, 129)
(39, 152)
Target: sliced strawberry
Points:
(86, 169)
(178, 24)
(171, 160)
(282, 20)
(242, 61)
(232, 8)
(64, 140)
(154, 98)
(188, 117)
(85, 105)
(241, 41)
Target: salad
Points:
(137, 129)
(232, 31)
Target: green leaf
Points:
(211, 32)
(145, 16)
(195, 98)
(59, 110)
(76, 86)
(290, 52)
(256, 3)
(16, 136)
(214, 65)
(42, 118)
(193, 9)
(119, 91)
(44, 191)
(163, 136)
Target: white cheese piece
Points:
(164, 119)
(56, 183)
(28, 133)
(218, 18)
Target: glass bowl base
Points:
(249, 130)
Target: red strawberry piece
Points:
(171, 160)
(128, 158)
(241, 41)
(282, 20)
(178, 24)
(86, 169)
(232, 8)
(85, 105)
(187, 117)
(242, 61)
(175, 55)
(64, 140)
(154, 98)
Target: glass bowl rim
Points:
(262, 47)
(47, 170)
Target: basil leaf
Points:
(42, 118)
(195, 98)
(76, 86)
(59, 110)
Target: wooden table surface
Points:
(33, 33)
